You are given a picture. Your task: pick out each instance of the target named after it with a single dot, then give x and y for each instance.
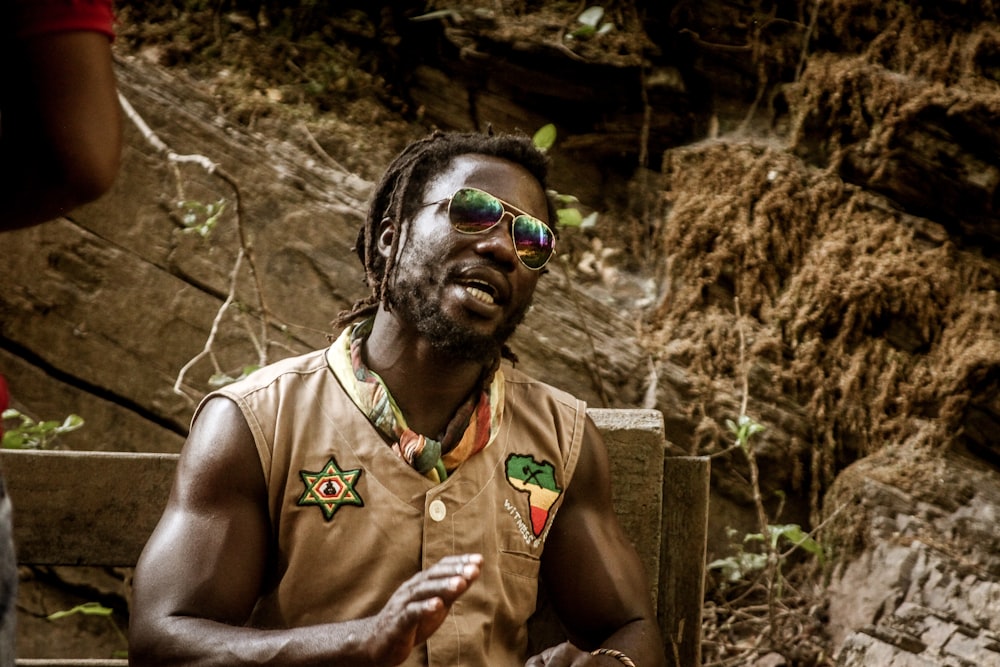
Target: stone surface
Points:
(926, 588)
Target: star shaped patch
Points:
(330, 488)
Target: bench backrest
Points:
(99, 508)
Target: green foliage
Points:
(590, 24)
(743, 565)
(567, 206)
(30, 434)
(792, 534)
(545, 137)
(222, 379)
(87, 609)
(93, 609)
(200, 218)
(744, 428)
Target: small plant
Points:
(94, 609)
(200, 218)
(773, 536)
(567, 206)
(30, 434)
(744, 428)
(744, 565)
(222, 379)
(590, 24)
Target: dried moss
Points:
(862, 318)
(873, 318)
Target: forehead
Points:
(507, 180)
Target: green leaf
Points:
(798, 537)
(71, 423)
(87, 608)
(13, 440)
(545, 137)
(729, 569)
(221, 379)
(591, 16)
(569, 217)
(439, 14)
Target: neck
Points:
(427, 384)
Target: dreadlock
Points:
(398, 194)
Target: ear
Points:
(386, 233)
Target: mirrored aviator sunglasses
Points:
(474, 211)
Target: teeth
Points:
(479, 294)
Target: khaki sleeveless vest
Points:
(353, 521)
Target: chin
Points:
(463, 343)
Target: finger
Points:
(463, 564)
(560, 655)
(540, 659)
(468, 569)
(446, 588)
(535, 661)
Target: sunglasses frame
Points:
(508, 209)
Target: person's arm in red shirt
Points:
(60, 120)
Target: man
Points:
(395, 498)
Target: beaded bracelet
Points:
(616, 654)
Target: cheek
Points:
(527, 281)
(421, 259)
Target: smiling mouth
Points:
(481, 291)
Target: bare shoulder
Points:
(219, 456)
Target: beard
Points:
(417, 300)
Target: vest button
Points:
(437, 510)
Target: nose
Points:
(498, 244)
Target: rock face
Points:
(925, 587)
(803, 195)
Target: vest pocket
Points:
(519, 564)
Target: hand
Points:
(563, 655)
(419, 606)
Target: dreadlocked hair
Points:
(398, 195)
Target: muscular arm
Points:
(593, 574)
(60, 144)
(202, 570)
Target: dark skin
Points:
(191, 610)
(61, 139)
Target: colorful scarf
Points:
(473, 427)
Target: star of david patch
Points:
(330, 488)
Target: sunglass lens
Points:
(474, 211)
(533, 241)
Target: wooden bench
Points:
(98, 509)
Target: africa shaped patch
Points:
(330, 488)
(538, 480)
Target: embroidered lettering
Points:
(531, 541)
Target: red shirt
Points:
(39, 17)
